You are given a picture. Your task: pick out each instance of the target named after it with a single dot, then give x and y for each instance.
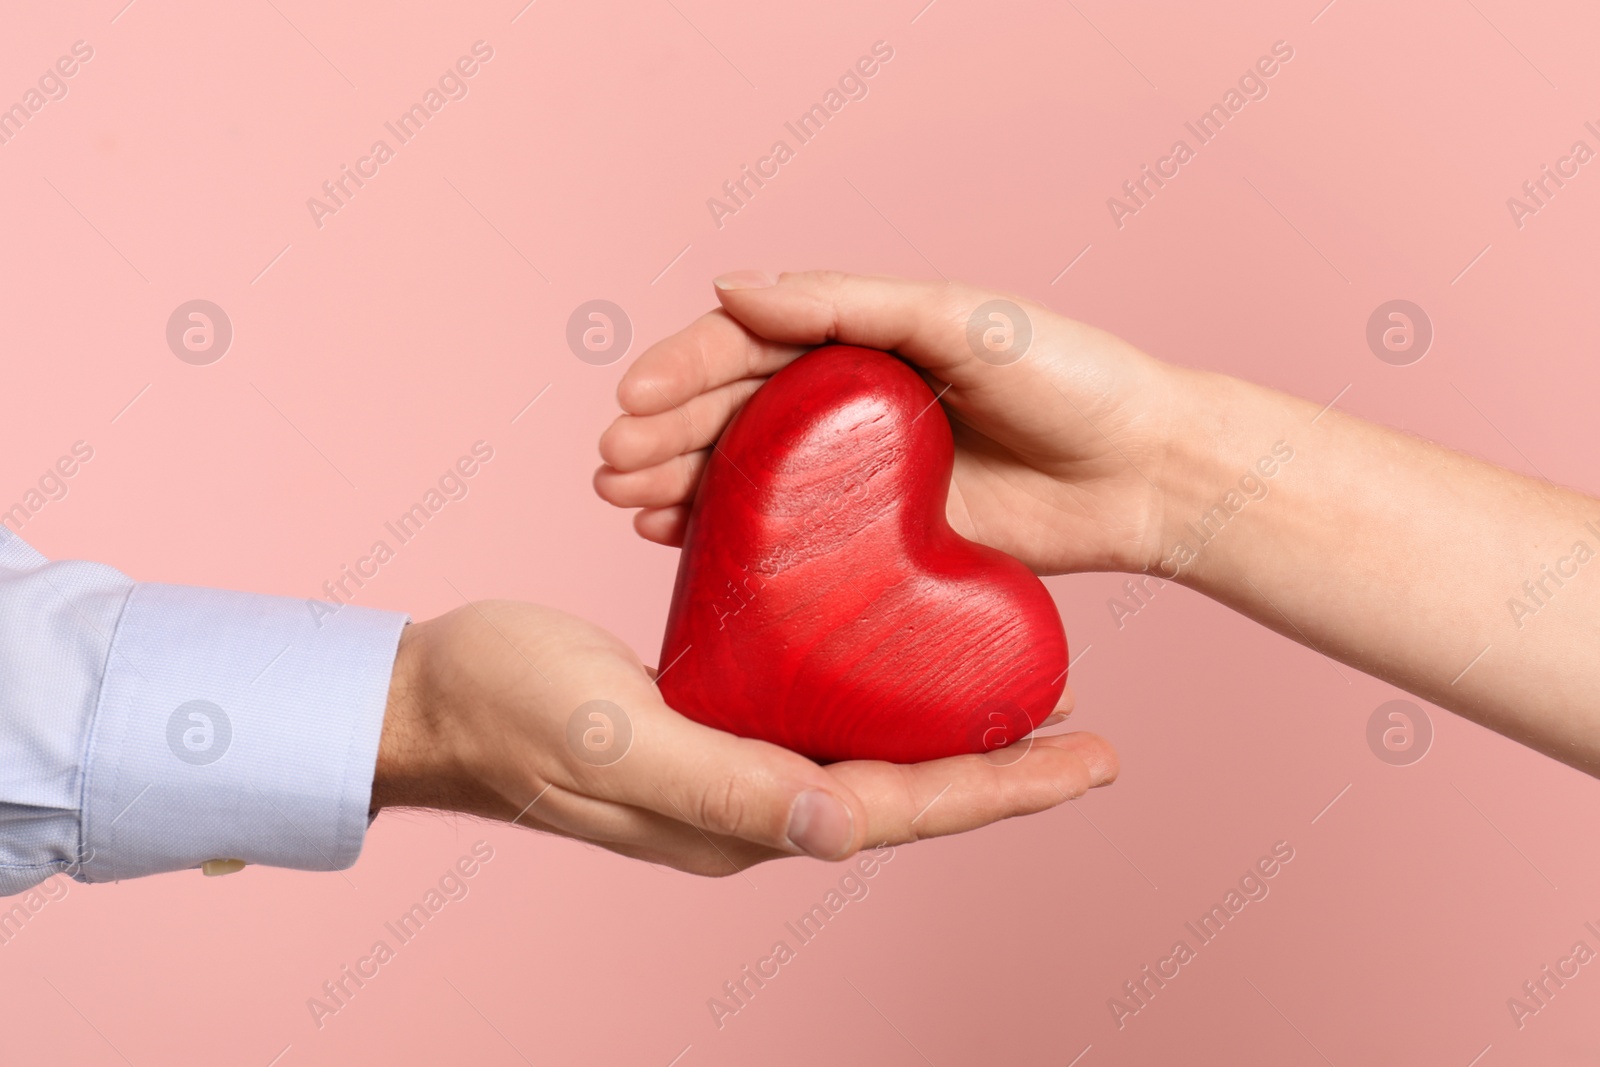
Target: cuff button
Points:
(217, 868)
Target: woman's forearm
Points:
(1466, 584)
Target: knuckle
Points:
(705, 371)
(953, 302)
(688, 475)
(830, 286)
(722, 807)
(909, 802)
(694, 435)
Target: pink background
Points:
(431, 309)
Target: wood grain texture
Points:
(824, 603)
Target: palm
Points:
(1069, 491)
(493, 688)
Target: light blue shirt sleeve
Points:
(148, 728)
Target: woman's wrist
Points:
(1229, 446)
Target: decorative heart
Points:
(823, 602)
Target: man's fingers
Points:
(732, 786)
(634, 442)
(643, 754)
(949, 796)
(704, 859)
(902, 804)
(712, 352)
(640, 833)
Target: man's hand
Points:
(481, 720)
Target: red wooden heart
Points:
(823, 602)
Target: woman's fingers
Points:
(712, 352)
(634, 442)
(663, 526)
(927, 322)
(663, 485)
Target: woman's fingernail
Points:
(1053, 718)
(744, 279)
(820, 826)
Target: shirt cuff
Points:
(234, 726)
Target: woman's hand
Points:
(1059, 445)
(522, 713)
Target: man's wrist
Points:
(404, 775)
